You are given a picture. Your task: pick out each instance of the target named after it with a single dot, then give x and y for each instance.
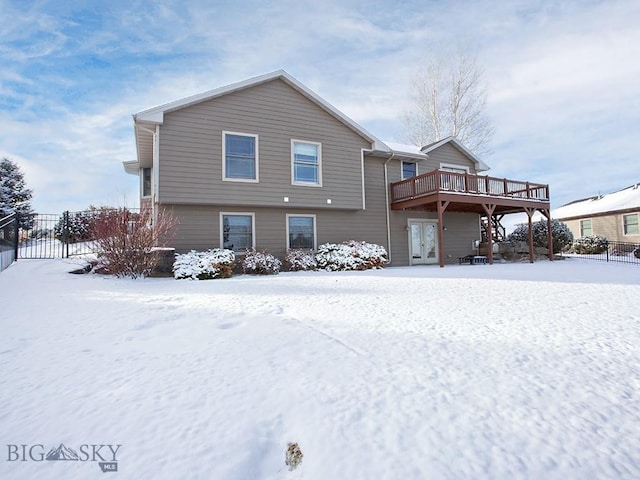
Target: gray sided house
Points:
(267, 163)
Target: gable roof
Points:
(622, 201)
(480, 165)
(155, 115)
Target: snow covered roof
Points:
(403, 150)
(622, 200)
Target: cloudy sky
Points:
(562, 78)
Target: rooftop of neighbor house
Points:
(625, 199)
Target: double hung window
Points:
(630, 224)
(306, 163)
(240, 157)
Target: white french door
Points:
(423, 242)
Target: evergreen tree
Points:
(14, 195)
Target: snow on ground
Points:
(501, 372)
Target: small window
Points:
(146, 182)
(301, 231)
(631, 224)
(306, 163)
(240, 157)
(237, 231)
(409, 170)
(585, 228)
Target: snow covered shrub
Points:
(293, 456)
(300, 259)
(214, 263)
(351, 255)
(591, 245)
(636, 252)
(562, 236)
(128, 243)
(260, 263)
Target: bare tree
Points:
(449, 99)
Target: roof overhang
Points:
(132, 167)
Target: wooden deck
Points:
(490, 197)
(466, 192)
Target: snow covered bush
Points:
(591, 245)
(300, 259)
(636, 252)
(260, 263)
(351, 255)
(214, 263)
(562, 236)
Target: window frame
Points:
(255, 136)
(582, 235)
(142, 182)
(402, 163)
(303, 215)
(625, 225)
(238, 214)
(318, 145)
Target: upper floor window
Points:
(585, 228)
(301, 231)
(240, 157)
(409, 170)
(306, 163)
(237, 231)
(146, 182)
(630, 223)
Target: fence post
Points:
(17, 239)
(66, 234)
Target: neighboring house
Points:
(614, 215)
(267, 163)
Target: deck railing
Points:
(443, 181)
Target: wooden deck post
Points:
(442, 206)
(489, 208)
(530, 212)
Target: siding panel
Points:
(191, 151)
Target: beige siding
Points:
(191, 151)
(609, 226)
(449, 155)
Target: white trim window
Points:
(146, 182)
(409, 170)
(239, 157)
(237, 231)
(450, 167)
(630, 224)
(586, 229)
(456, 183)
(306, 163)
(301, 231)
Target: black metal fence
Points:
(620, 252)
(43, 235)
(8, 240)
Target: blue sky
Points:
(562, 77)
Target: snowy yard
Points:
(499, 372)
